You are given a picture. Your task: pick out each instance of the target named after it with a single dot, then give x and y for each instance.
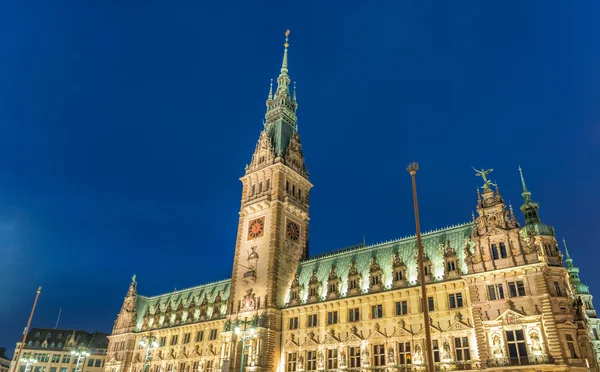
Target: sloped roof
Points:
(56, 337)
(384, 252)
(172, 300)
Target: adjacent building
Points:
(4, 360)
(62, 350)
(498, 292)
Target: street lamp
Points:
(150, 343)
(28, 362)
(244, 335)
(81, 352)
(412, 169)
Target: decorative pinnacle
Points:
(523, 181)
(566, 250)
(413, 168)
(284, 64)
(294, 91)
(270, 91)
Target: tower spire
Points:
(569, 260)
(284, 63)
(526, 194)
(270, 97)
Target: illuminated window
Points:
(291, 362)
(332, 358)
(354, 356)
(401, 308)
(404, 354)
(455, 300)
(517, 349)
(461, 347)
(312, 320)
(294, 323)
(377, 311)
(516, 289)
(378, 355)
(332, 317)
(353, 315)
(311, 360)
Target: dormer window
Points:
(398, 275)
(353, 284)
(426, 270)
(451, 266)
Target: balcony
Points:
(525, 361)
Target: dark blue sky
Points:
(125, 125)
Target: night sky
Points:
(125, 126)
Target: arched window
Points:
(267, 184)
(294, 190)
(60, 344)
(426, 270)
(495, 252)
(60, 335)
(49, 335)
(30, 343)
(37, 334)
(52, 345)
(503, 250)
(252, 190)
(287, 186)
(37, 344)
(299, 194)
(260, 187)
(547, 249)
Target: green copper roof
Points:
(406, 247)
(280, 133)
(533, 224)
(171, 301)
(573, 271)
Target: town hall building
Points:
(498, 292)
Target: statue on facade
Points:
(446, 351)
(535, 342)
(497, 346)
(391, 359)
(300, 362)
(342, 358)
(483, 174)
(418, 357)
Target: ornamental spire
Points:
(569, 260)
(283, 81)
(270, 97)
(284, 63)
(526, 194)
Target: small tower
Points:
(580, 290)
(535, 233)
(126, 320)
(495, 232)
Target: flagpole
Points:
(18, 356)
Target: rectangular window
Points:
(195, 366)
(66, 358)
(98, 363)
(557, 289)
(90, 362)
(401, 308)
(213, 334)
(163, 341)
(174, 339)
(495, 252)
(186, 338)
(209, 365)
(169, 367)
(398, 275)
(311, 360)
(52, 369)
(404, 355)
(291, 362)
(495, 292)
(353, 315)
(55, 358)
(516, 289)
(312, 320)
(378, 355)
(294, 323)
(353, 284)
(332, 358)
(199, 336)
(182, 367)
(377, 311)
(430, 303)
(436, 351)
(517, 349)
(354, 356)
(571, 346)
(332, 317)
(64, 369)
(503, 250)
(455, 300)
(461, 346)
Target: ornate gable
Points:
(376, 333)
(330, 338)
(310, 340)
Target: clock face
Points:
(256, 228)
(292, 230)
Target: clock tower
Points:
(273, 224)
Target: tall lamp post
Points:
(28, 361)
(412, 169)
(244, 334)
(150, 343)
(81, 352)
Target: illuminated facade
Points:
(499, 294)
(52, 350)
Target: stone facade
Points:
(499, 294)
(51, 348)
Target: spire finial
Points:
(473, 215)
(270, 91)
(284, 64)
(294, 91)
(523, 180)
(566, 250)
(512, 213)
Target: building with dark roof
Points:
(52, 350)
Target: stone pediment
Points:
(376, 333)
(459, 326)
(330, 338)
(291, 344)
(401, 331)
(510, 316)
(196, 352)
(310, 342)
(211, 351)
(113, 360)
(353, 337)
(182, 355)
